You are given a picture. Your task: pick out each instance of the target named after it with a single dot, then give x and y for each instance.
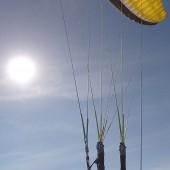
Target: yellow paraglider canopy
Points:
(147, 12)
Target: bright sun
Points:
(21, 70)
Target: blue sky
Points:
(40, 127)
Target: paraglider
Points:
(146, 12)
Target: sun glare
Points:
(21, 70)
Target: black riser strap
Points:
(122, 149)
(100, 156)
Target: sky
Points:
(40, 125)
